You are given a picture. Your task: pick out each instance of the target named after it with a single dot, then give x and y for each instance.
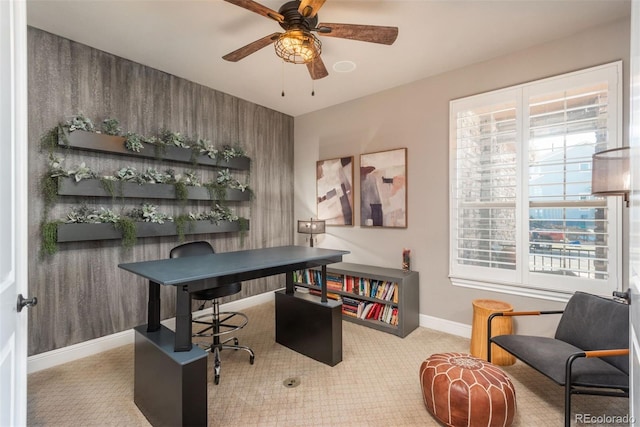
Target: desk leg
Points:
(288, 282)
(183, 319)
(153, 307)
(323, 291)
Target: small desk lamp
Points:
(312, 226)
(610, 173)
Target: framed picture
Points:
(334, 188)
(383, 189)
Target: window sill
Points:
(511, 289)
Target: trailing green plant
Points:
(217, 192)
(49, 189)
(109, 185)
(49, 140)
(49, 233)
(243, 227)
(181, 222)
(182, 193)
(111, 126)
(127, 227)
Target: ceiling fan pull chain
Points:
(283, 79)
(313, 88)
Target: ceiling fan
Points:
(298, 44)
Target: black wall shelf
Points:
(104, 231)
(91, 141)
(94, 187)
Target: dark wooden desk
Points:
(195, 273)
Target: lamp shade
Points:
(311, 226)
(610, 172)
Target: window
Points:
(523, 219)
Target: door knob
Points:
(25, 302)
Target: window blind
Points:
(522, 213)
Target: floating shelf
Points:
(91, 141)
(94, 187)
(103, 231)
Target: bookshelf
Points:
(386, 299)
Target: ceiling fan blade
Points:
(253, 47)
(317, 70)
(365, 33)
(309, 8)
(258, 8)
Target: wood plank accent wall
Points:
(81, 293)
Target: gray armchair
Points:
(589, 353)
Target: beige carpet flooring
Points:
(376, 384)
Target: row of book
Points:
(370, 310)
(378, 289)
(314, 277)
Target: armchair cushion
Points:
(547, 355)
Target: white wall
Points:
(416, 116)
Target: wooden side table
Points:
(482, 308)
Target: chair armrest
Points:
(607, 353)
(517, 313)
(510, 314)
(528, 313)
(590, 353)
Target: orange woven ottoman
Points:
(462, 390)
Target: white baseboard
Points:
(78, 351)
(73, 352)
(443, 325)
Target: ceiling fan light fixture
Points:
(298, 46)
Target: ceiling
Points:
(188, 39)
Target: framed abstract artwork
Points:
(334, 189)
(383, 189)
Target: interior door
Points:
(13, 225)
(634, 213)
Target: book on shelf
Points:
(365, 310)
(349, 313)
(348, 284)
(350, 310)
(350, 301)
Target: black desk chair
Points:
(219, 323)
